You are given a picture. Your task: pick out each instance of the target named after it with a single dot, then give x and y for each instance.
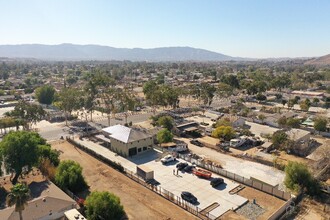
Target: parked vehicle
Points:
(189, 197)
(196, 142)
(238, 142)
(167, 159)
(202, 173)
(189, 168)
(181, 165)
(216, 182)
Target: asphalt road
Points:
(54, 131)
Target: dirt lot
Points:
(311, 209)
(232, 215)
(139, 202)
(266, 201)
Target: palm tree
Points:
(18, 196)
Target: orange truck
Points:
(202, 173)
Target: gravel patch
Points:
(250, 210)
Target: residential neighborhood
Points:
(178, 140)
(165, 110)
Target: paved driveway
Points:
(201, 188)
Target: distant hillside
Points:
(96, 52)
(324, 60)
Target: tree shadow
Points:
(36, 188)
(83, 194)
(3, 194)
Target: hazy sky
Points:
(245, 28)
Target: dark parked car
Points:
(181, 165)
(196, 142)
(188, 168)
(189, 197)
(216, 182)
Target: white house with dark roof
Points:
(127, 141)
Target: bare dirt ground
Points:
(232, 216)
(266, 201)
(138, 202)
(311, 209)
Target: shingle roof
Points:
(49, 199)
(125, 134)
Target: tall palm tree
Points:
(18, 196)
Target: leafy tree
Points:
(160, 79)
(69, 176)
(68, 100)
(292, 102)
(279, 139)
(293, 122)
(304, 105)
(261, 117)
(90, 97)
(282, 121)
(224, 90)
(298, 177)
(261, 97)
(224, 132)
(164, 136)
(230, 80)
(20, 149)
(316, 101)
(28, 113)
(222, 122)
(284, 102)
(207, 93)
(166, 122)
(320, 124)
(71, 79)
(103, 205)
(18, 196)
(45, 94)
(148, 89)
(328, 90)
(46, 152)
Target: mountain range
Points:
(74, 52)
(96, 52)
(324, 60)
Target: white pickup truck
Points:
(167, 159)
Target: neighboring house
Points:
(301, 140)
(261, 130)
(272, 120)
(51, 204)
(309, 122)
(186, 127)
(299, 135)
(74, 214)
(308, 94)
(213, 115)
(127, 141)
(236, 122)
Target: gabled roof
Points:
(48, 200)
(296, 134)
(125, 134)
(41, 207)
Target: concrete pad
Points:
(175, 184)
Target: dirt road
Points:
(139, 202)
